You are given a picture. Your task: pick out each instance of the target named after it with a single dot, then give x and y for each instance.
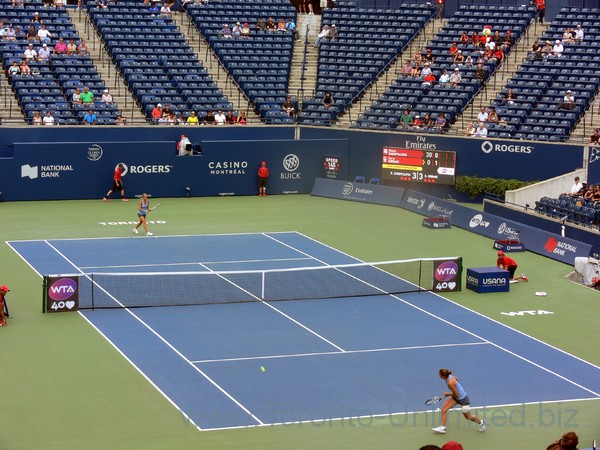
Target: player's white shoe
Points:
(440, 430)
(482, 425)
(149, 234)
(135, 230)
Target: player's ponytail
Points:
(445, 372)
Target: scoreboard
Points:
(424, 166)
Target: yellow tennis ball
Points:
(262, 369)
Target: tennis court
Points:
(368, 355)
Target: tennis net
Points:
(143, 289)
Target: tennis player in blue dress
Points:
(142, 212)
(456, 396)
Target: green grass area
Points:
(65, 387)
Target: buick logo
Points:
(291, 162)
(487, 147)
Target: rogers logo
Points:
(487, 147)
(156, 168)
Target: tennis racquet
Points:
(154, 207)
(434, 400)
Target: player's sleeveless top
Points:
(461, 391)
(143, 209)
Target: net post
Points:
(420, 288)
(92, 288)
(460, 271)
(44, 293)
(262, 289)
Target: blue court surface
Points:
(323, 359)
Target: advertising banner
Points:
(536, 240)
(359, 192)
(61, 293)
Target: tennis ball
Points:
(262, 369)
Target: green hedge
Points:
(475, 186)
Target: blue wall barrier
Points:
(536, 240)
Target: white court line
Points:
(347, 352)
(209, 379)
(495, 321)
(193, 263)
(276, 310)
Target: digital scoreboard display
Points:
(423, 166)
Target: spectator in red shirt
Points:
(453, 49)
(263, 175)
(541, 7)
(157, 113)
(506, 263)
(117, 183)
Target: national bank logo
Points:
(29, 171)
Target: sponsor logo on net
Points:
(505, 230)
(477, 221)
(418, 202)
(49, 171)
(440, 209)
(291, 164)
(62, 289)
(228, 167)
(559, 247)
(489, 147)
(150, 168)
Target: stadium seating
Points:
(541, 84)
(369, 41)
(259, 64)
(410, 93)
(574, 209)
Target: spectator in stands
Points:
(468, 61)
(557, 49)
(481, 58)
(567, 37)
(453, 49)
(44, 34)
(476, 39)
(497, 56)
(589, 193)
(577, 188)
(225, 32)
(444, 79)
(440, 8)
(508, 40)
(153, 9)
(48, 119)
(509, 98)
(480, 74)
(440, 123)
(261, 25)
(579, 34)
(237, 30)
(76, 97)
(192, 118)
(167, 111)
(13, 70)
(271, 25)
(417, 65)
(418, 122)
(36, 119)
(481, 131)
(489, 53)
(595, 137)
(106, 97)
(291, 27)
(11, 34)
(157, 113)
(71, 47)
(428, 81)
(428, 58)
(427, 121)
(568, 101)
(32, 34)
(242, 120)
(36, 18)
(220, 117)
(310, 7)
(102, 4)
(281, 25)
(426, 70)
(89, 118)
(328, 101)
(165, 10)
(120, 120)
(230, 119)
(503, 123)
(568, 441)
(459, 58)
(535, 54)
(464, 38)
(323, 35)
(492, 116)
(44, 53)
(483, 115)
(497, 39)
(333, 33)
(30, 53)
(209, 119)
(596, 196)
(87, 96)
(406, 69)
(245, 31)
(471, 127)
(24, 68)
(541, 9)
(288, 106)
(60, 48)
(455, 78)
(16, 3)
(406, 119)
(83, 49)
